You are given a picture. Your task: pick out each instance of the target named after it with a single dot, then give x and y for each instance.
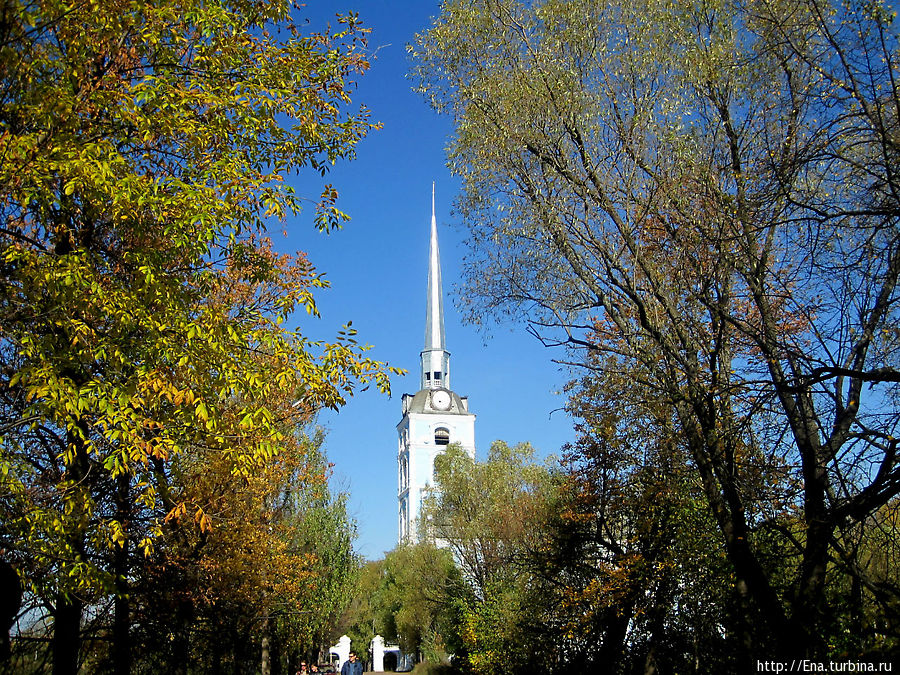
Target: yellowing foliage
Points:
(144, 316)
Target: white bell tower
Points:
(435, 416)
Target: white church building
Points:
(433, 417)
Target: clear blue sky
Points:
(377, 268)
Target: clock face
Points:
(440, 399)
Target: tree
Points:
(319, 529)
(272, 574)
(705, 194)
(493, 517)
(142, 151)
(644, 583)
(416, 600)
(361, 620)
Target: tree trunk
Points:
(216, 650)
(274, 654)
(122, 621)
(122, 634)
(10, 603)
(755, 593)
(66, 641)
(615, 633)
(265, 665)
(650, 661)
(181, 637)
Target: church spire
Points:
(435, 357)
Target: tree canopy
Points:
(144, 148)
(704, 197)
(493, 516)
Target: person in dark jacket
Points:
(352, 666)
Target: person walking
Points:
(352, 666)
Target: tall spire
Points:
(435, 357)
(434, 319)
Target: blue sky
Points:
(377, 268)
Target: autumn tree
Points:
(706, 194)
(267, 582)
(320, 528)
(142, 150)
(644, 584)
